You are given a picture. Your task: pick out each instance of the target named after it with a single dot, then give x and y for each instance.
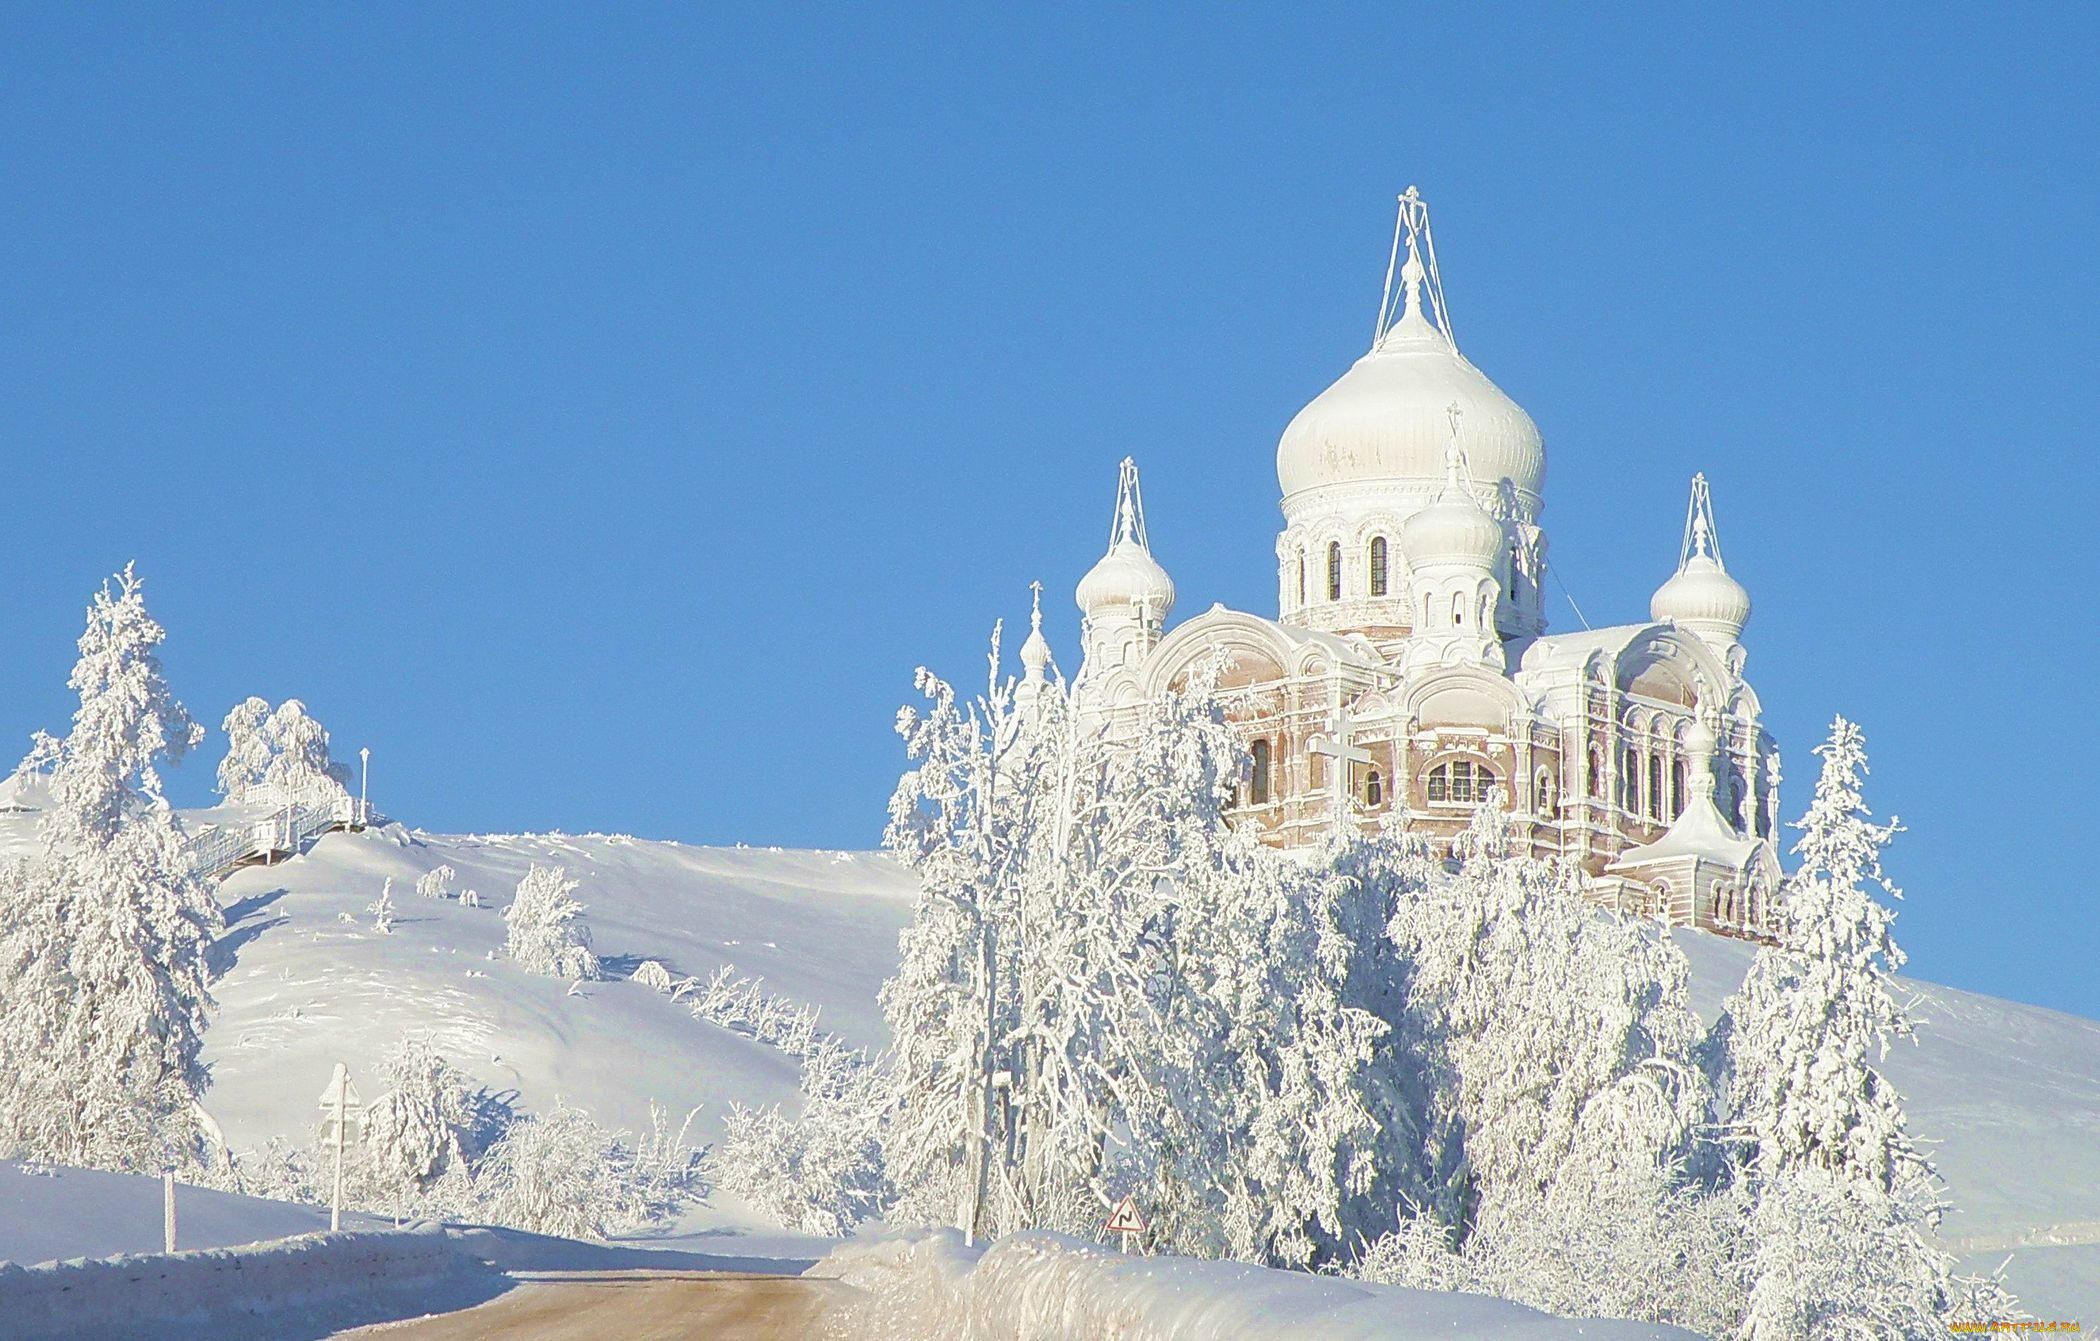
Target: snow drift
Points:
(309, 1285)
(926, 1286)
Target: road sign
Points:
(1125, 1219)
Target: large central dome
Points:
(1387, 421)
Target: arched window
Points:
(1655, 787)
(1259, 783)
(1334, 570)
(1301, 577)
(1516, 576)
(1630, 783)
(1378, 565)
(1542, 794)
(1676, 789)
(1596, 772)
(1460, 781)
(1374, 789)
(1458, 608)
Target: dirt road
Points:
(631, 1306)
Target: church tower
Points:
(1124, 599)
(1368, 453)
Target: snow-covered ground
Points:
(2006, 1096)
(51, 1214)
(301, 987)
(918, 1285)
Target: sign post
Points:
(1127, 1221)
(167, 1209)
(340, 1109)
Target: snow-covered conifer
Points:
(547, 933)
(382, 909)
(103, 937)
(435, 883)
(1818, 1010)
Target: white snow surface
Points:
(51, 1214)
(300, 988)
(921, 1286)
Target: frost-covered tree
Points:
(1819, 1009)
(561, 1174)
(103, 933)
(1844, 1200)
(818, 1171)
(1564, 1034)
(1105, 989)
(420, 1133)
(435, 883)
(547, 933)
(282, 753)
(248, 749)
(382, 909)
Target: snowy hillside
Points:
(2007, 1096)
(306, 980)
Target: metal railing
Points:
(286, 831)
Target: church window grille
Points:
(1460, 782)
(1378, 577)
(1259, 782)
(1334, 570)
(1374, 789)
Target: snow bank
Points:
(305, 1286)
(52, 1212)
(925, 1286)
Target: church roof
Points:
(1701, 831)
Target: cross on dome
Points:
(1419, 280)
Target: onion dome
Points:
(1701, 596)
(1035, 652)
(1455, 529)
(1128, 575)
(1384, 420)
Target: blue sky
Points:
(600, 412)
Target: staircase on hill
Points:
(286, 831)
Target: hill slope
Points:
(2006, 1096)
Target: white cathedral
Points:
(1409, 671)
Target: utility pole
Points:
(364, 784)
(340, 1107)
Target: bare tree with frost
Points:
(1105, 990)
(103, 933)
(547, 933)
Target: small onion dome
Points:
(1703, 598)
(1454, 529)
(1127, 575)
(1035, 652)
(1701, 740)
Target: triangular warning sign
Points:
(1125, 1218)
